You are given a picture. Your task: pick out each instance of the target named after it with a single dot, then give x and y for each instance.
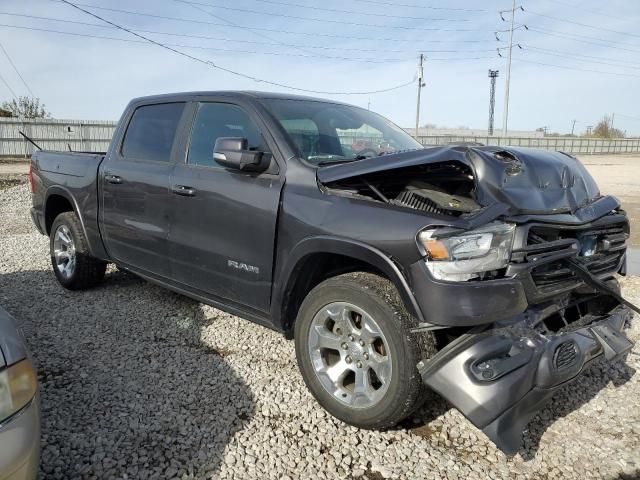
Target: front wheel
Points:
(356, 352)
(72, 263)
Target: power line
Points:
(262, 35)
(256, 52)
(356, 12)
(628, 116)
(325, 20)
(579, 35)
(197, 47)
(288, 32)
(390, 4)
(224, 39)
(579, 69)
(14, 93)
(16, 69)
(570, 36)
(575, 56)
(582, 24)
(233, 72)
(582, 9)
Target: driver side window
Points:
(215, 120)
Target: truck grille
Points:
(565, 355)
(600, 249)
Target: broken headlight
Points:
(467, 255)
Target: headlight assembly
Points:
(465, 256)
(18, 385)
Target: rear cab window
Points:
(151, 132)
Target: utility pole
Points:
(573, 126)
(613, 116)
(505, 117)
(493, 74)
(420, 85)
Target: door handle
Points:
(115, 179)
(183, 190)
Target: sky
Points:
(577, 60)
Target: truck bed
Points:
(71, 176)
(73, 164)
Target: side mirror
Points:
(233, 152)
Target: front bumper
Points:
(501, 378)
(537, 273)
(20, 444)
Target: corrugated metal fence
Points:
(566, 144)
(79, 135)
(94, 136)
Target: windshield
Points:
(329, 133)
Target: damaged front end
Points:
(516, 276)
(563, 310)
(500, 378)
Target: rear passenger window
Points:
(215, 120)
(151, 132)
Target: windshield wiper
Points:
(335, 162)
(345, 160)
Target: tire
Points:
(348, 305)
(72, 264)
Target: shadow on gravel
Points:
(127, 388)
(573, 396)
(635, 475)
(570, 398)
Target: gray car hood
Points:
(528, 181)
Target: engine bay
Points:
(444, 188)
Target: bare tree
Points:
(604, 129)
(26, 107)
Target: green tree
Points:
(26, 107)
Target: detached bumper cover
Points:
(500, 379)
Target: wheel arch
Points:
(315, 259)
(59, 200)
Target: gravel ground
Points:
(138, 382)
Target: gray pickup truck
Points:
(486, 274)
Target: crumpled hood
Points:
(529, 181)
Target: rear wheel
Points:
(356, 352)
(72, 264)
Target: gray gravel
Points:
(138, 382)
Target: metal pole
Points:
(573, 126)
(505, 119)
(492, 98)
(420, 75)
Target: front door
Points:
(224, 222)
(135, 187)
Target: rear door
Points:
(135, 189)
(224, 221)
